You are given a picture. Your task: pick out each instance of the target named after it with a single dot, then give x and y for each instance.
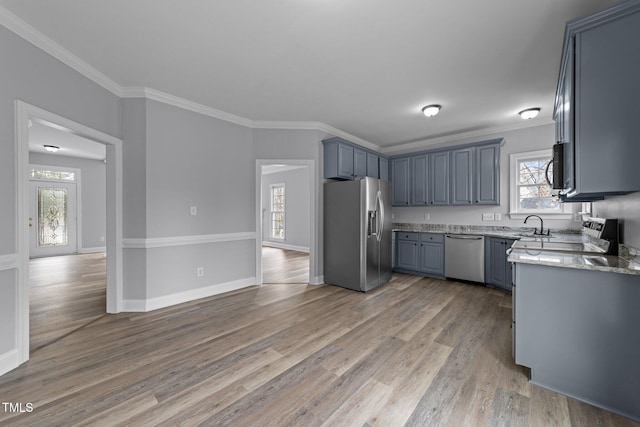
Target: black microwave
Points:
(557, 161)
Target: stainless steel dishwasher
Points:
(464, 257)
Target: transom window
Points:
(530, 191)
(277, 211)
(46, 174)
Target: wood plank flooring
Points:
(414, 352)
(284, 266)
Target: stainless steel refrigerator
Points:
(357, 233)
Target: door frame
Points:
(23, 113)
(313, 228)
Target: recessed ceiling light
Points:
(51, 148)
(529, 113)
(431, 110)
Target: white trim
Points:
(317, 280)
(92, 250)
(165, 98)
(163, 242)
(314, 237)
(141, 305)
(8, 361)
(36, 38)
(8, 262)
(285, 246)
(23, 113)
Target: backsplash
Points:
(457, 229)
(626, 210)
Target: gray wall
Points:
(627, 210)
(30, 75)
(297, 226)
(93, 187)
(518, 141)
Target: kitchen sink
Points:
(543, 245)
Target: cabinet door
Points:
(432, 258)
(508, 275)
(383, 163)
(345, 161)
(461, 176)
(497, 260)
(359, 163)
(487, 176)
(419, 174)
(373, 166)
(439, 178)
(400, 181)
(407, 255)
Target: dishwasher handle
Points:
(462, 237)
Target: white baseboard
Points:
(285, 246)
(141, 305)
(317, 280)
(8, 361)
(92, 250)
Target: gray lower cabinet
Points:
(420, 253)
(498, 271)
(578, 332)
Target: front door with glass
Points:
(52, 218)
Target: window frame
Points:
(514, 174)
(272, 229)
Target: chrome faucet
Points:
(541, 233)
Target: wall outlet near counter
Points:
(487, 217)
(427, 216)
(497, 217)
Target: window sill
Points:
(555, 215)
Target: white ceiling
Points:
(366, 67)
(41, 134)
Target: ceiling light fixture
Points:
(431, 110)
(51, 148)
(529, 113)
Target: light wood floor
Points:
(418, 352)
(284, 266)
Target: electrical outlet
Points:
(577, 217)
(194, 210)
(200, 271)
(427, 216)
(102, 238)
(393, 216)
(487, 217)
(497, 217)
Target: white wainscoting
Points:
(8, 262)
(141, 305)
(163, 242)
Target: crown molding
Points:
(457, 137)
(36, 38)
(156, 95)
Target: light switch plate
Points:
(497, 217)
(487, 217)
(427, 216)
(194, 210)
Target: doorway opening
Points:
(285, 218)
(53, 233)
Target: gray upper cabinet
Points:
(462, 176)
(468, 175)
(439, 178)
(359, 163)
(419, 180)
(596, 103)
(400, 181)
(487, 176)
(344, 160)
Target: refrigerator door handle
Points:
(381, 216)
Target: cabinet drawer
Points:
(408, 235)
(432, 237)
